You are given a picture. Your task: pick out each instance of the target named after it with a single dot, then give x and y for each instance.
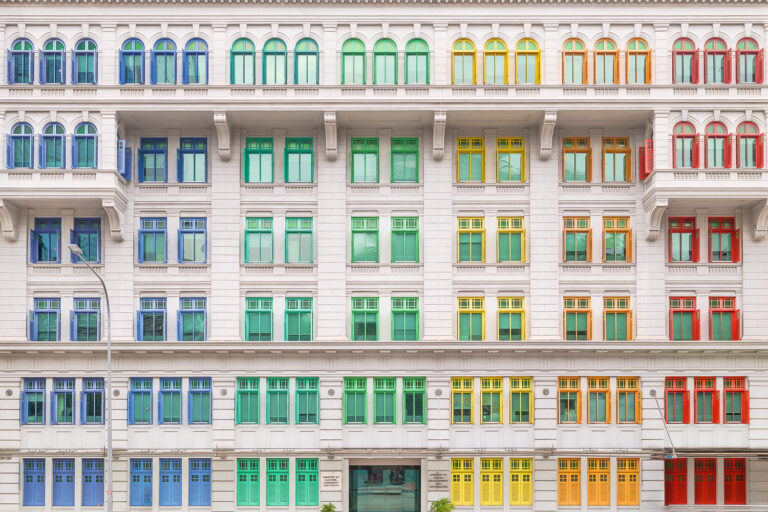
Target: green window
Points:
(192, 319)
(259, 160)
(405, 239)
(511, 318)
(384, 399)
(520, 393)
(384, 62)
(354, 399)
(274, 59)
(298, 160)
(258, 319)
(471, 238)
(404, 153)
(416, 62)
(577, 163)
(353, 62)
(510, 235)
(461, 399)
(405, 318)
(277, 482)
(63, 401)
(471, 160)
(277, 400)
(578, 239)
(298, 240)
(365, 239)
(258, 240)
(578, 318)
(365, 319)
(491, 389)
(471, 318)
(248, 402)
(618, 318)
(365, 160)
(414, 401)
(248, 482)
(298, 319)
(307, 401)
(307, 490)
(141, 398)
(170, 400)
(200, 396)
(599, 401)
(242, 63)
(84, 146)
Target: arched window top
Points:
(85, 45)
(53, 129)
(716, 129)
(306, 45)
(684, 44)
(243, 45)
(637, 45)
(495, 45)
(417, 46)
(684, 129)
(747, 128)
(196, 45)
(53, 45)
(133, 45)
(463, 45)
(527, 45)
(85, 129)
(353, 46)
(747, 43)
(21, 129)
(573, 45)
(165, 45)
(21, 45)
(715, 44)
(385, 46)
(605, 45)
(274, 45)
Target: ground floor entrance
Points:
(385, 488)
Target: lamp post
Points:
(77, 251)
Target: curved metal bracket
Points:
(655, 215)
(438, 135)
(331, 146)
(115, 216)
(9, 216)
(760, 220)
(222, 130)
(545, 136)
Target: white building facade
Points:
(512, 254)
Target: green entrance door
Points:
(385, 488)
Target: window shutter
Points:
(608, 417)
(589, 245)
(589, 165)
(32, 246)
(639, 406)
(141, 67)
(578, 405)
(74, 152)
(52, 396)
(122, 67)
(697, 325)
(178, 325)
(41, 153)
(716, 407)
(74, 68)
(190, 408)
(82, 408)
(10, 69)
(695, 406)
(31, 331)
(745, 408)
(95, 151)
(140, 166)
(72, 256)
(674, 151)
(159, 407)
(41, 63)
(139, 336)
(179, 167)
(184, 68)
(641, 163)
(674, 66)
(695, 67)
(728, 153)
(564, 252)
(72, 335)
(737, 325)
(649, 67)
(629, 246)
(760, 151)
(9, 163)
(179, 243)
(696, 246)
(603, 250)
(760, 67)
(686, 406)
(736, 246)
(695, 158)
(152, 67)
(727, 66)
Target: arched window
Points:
(273, 69)
(52, 147)
(20, 70)
(574, 62)
(638, 62)
(18, 149)
(718, 144)
(84, 144)
(132, 62)
(717, 62)
(685, 147)
(353, 62)
(242, 63)
(685, 62)
(163, 63)
(463, 62)
(750, 146)
(416, 62)
(194, 62)
(750, 62)
(306, 58)
(84, 62)
(606, 62)
(528, 62)
(384, 62)
(495, 62)
(52, 62)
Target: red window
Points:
(724, 319)
(717, 146)
(724, 240)
(750, 62)
(684, 319)
(735, 491)
(735, 400)
(678, 401)
(683, 239)
(685, 62)
(706, 401)
(645, 159)
(705, 478)
(685, 147)
(676, 482)
(717, 62)
(750, 146)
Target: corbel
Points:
(546, 133)
(438, 135)
(331, 147)
(222, 130)
(9, 220)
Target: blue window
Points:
(192, 241)
(63, 402)
(33, 402)
(169, 401)
(274, 57)
(85, 62)
(19, 69)
(194, 60)
(45, 320)
(153, 160)
(85, 320)
(150, 320)
(34, 483)
(93, 482)
(191, 319)
(19, 147)
(153, 242)
(192, 160)
(86, 235)
(92, 402)
(163, 57)
(141, 482)
(45, 241)
(140, 401)
(170, 483)
(199, 400)
(51, 148)
(132, 62)
(306, 69)
(199, 482)
(52, 62)
(63, 482)
(84, 147)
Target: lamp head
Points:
(75, 249)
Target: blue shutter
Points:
(23, 418)
(130, 407)
(96, 69)
(159, 407)
(63, 61)
(31, 151)
(122, 77)
(141, 68)
(121, 157)
(141, 247)
(41, 63)
(41, 153)
(205, 173)
(52, 396)
(62, 142)
(152, 67)
(82, 407)
(58, 325)
(74, 67)
(32, 246)
(128, 166)
(9, 164)
(31, 58)
(31, 331)
(179, 243)
(138, 326)
(207, 80)
(74, 152)
(189, 407)
(184, 68)
(9, 69)
(136, 495)
(140, 166)
(175, 490)
(72, 326)
(72, 255)
(95, 151)
(179, 167)
(178, 325)
(98, 318)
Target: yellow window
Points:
(521, 400)
(510, 239)
(495, 55)
(627, 482)
(471, 319)
(463, 64)
(569, 399)
(461, 399)
(491, 481)
(617, 159)
(628, 400)
(599, 403)
(617, 239)
(598, 482)
(520, 482)
(577, 239)
(510, 159)
(471, 239)
(568, 482)
(528, 62)
(491, 390)
(471, 160)
(577, 318)
(461, 482)
(617, 319)
(577, 159)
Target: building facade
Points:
(376, 255)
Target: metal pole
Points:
(663, 421)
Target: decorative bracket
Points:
(438, 135)
(331, 148)
(222, 130)
(760, 220)
(115, 216)
(9, 217)
(547, 131)
(655, 214)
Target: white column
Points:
(550, 58)
(329, 49)
(660, 55)
(108, 52)
(219, 72)
(441, 56)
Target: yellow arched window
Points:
(574, 62)
(464, 62)
(606, 62)
(638, 62)
(528, 62)
(495, 56)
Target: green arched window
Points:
(495, 59)
(306, 58)
(20, 144)
(194, 62)
(353, 62)
(162, 62)
(132, 62)
(84, 146)
(416, 62)
(384, 62)
(52, 146)
(685, 62)
(464, 62)
(242, 63)
(274, 56)
(20, 70)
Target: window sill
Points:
(572, 267)
(299, 188)
(147, 268)
(63, 269)
(694, 268)
(490, 268)
(385, 268)
(279, 268)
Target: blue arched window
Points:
(84, 62)
(163, 63)
(18, 149)
(51, 148)
(84, 146)
(273, 65)
(20, 70)
(132, 62)
(195, 62)
(306, 57)
(52, 62)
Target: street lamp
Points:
(77, 251)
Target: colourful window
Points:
(416, 62)
(307, 488)
(298, 240)
(617, 319)
(683, 319)
(298, 166)
(678, 408)
(675, 482)
(599, 403)
(463, 62)
(577, 239)
(528, 69)
(511, 318)
(491, 391)
(577, 318)
(170, 482)
(628, 400)
(404, 155)
(247, 402)
(462, 485)
(685, 62)
(365, 160)
(471, 318)
(258, 319)
(598, 482)
(724, 319)
(495, 55)
(355, 400)
(574, 62)
(750, 62)
(405, 239)
(606, 62)
(353, 62)
(414, 399)
(277, 483)
(242, 63)
(384, 62)
(683, 240)
(734, 482)
(248, 482)
(617, 239)
(461, 399)
(274, 56)
(685, 147)
(298, 319)
(365, 240)
(750, 146)
(307, 400)
(510, 159)
(306, 70)
(384, 390)
(63, 482)
(470, 166)
(277, 400)
(717, 62)
(627, 482)
(724, 240)
(194, 61)
(568, 482)
(639, 70)
(492, 482)
(569, 399)
(520, 482)
(405, 318)
(577, 159)
(718, 146)
(471, 239)
(521, 400)
(199, 400)
(705, 481)
(365, 319)
(736, 400)
(259, 159)
(706, 400)
(617, 159)
(510, 239)
(258, 240)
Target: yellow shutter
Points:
(638, 404)
(604, 489)
(522, 249)
(629, 246)
(485, 489)
(497, 496)
(530, 406)
(633, 488)
(467, 490)
(589, 245)
(630, 326)
(592, 491)
(526, 489)
(608, 406)
(589, 165)
(578, 406)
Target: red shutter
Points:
(686, 406)
(706, 151)
(728, 151)
(649, 157)
(716, 407)
(641, 163)
(738, 67)
(671, 320)
(737, 325)
(696, 245)
(745, 408)
(760, 150)
(738, 150)
(695, 67)
(674, 66)
(736, 249)
(697, 325)
(727, 66)
(695, 404)
(709, 257)
(696, 147)
(760, 66)
(674, 152)
(710, 319)
(706, 67)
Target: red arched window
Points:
(717, 62)
(685, 147)
(750, 62)
(750, 147)
(718, 144)
(685, 62)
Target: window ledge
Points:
(385, 268)
(65, 269)
(491, 267)
(728, 268)
(279, 268)
(571, 267)
(172, 268)
(490, 187)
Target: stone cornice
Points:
(381, 2)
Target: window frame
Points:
(52, 138)
(45, 306)
(724, 305)
(92, 482)
(194, 50)
(678, 227)
(413, 387)
(21, 54)
(248, 391)
(389, 55)
(715, 47)
(574, 49)
(200, 489)
(90, 309)
(194, 146)
(353, 50)
(735, 386)
(33, 397)
(521, 386)
(363, 146)
(193, 306)
(462, 482)
(683, 305)
(705, 481)
(471, 306)
(170, 387)
(603, 54)
(527, 48)
(469, 147)
(132, 48)
(368, 226)
(297, 226)
(53, 62)
(365, 306)
(404, 147)
(275, 53)
(520, 481)
(510, 146)
(500, 50)
(577, 306)
(278, 389)
(510, 306)
(568, 481)
(248, 494)
(413, 54)
(598, 482)
(683, 132)
(405, 307)
(617, 306)
(492, 481)
(63, 483)
(627, 481)
(577, 146)
(674, 386)
(491, 388)
(635, 53)
(261, 228)
(307, 477)
(164, 49)
(403, 230)
(355, 387)
(152, 306)
(569, 385)
(675, 481)
(734, 481)
(616, 226)
(463, 48)
(714, 132)
(510, 226)
(307, 393)
(682, 49)
(92, 397)
(263, 148)
(155, 146)
(466, 227)
(141, 388)
(85, 137)
(34, 482)
(196, 226)
(384, 388)
(153, 226)
(243, 52)
(199, 388)
(749, 140)
(277, 476)
(302, 58)
(463, 388)
(169, 485)
(597, 386)
(297, 306)
(299, 146)
(626, 386)
(21, 137)
(616, 146)
(63, 389)
(745, 48)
